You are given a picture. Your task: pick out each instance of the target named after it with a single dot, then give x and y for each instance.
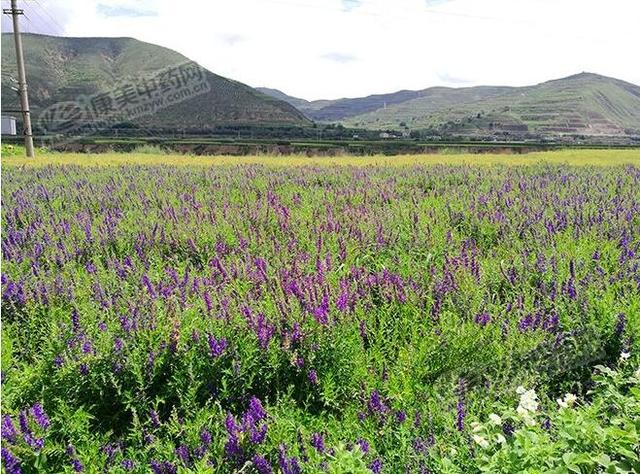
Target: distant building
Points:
(8, 125)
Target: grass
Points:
(570, 157)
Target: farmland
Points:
(167, 313)
(14, 156)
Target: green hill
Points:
(66, 69)
(342, 109)
(583, 104)
(586, 104)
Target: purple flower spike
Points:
(10, 462)
(364, 445)
(317, 441)
(482, 319)
(460, 410)
(40, 416)
(182, 453)
(164, 467)
(77, 465)
(24, 422)
(9, 430)
(255, 409)
(261, 465)
(258, 434)
(233, 449)
(205, 437)
(620, 325)
(216, 346)
(376, 405)
(376, 466)
(155, 420)
(313, 377)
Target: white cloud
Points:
(122, 10)
(339, 57)
(350, 4)
(336, 48)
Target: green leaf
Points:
(604, 460)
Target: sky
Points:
(328, 49)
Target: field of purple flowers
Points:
(252, 319)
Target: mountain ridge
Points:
(61, 69)
(583, 103)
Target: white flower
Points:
(568, 401)
(529, 405)
(636, 374)
(624, 355)
(501, 439)
(526, 415)
(476, 427)
(495, 419)
(528, 400)
(520, 390)
(481, 441)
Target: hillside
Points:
(66, 69)
(342, 109)
(583, 104)
(586, 104)
(300, 104)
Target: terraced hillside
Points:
(583, 104)
(344, 109)
(66, 69)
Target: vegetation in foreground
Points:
(320, 319)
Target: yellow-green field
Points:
(572, 157)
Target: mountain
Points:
(583, 104)
(70, 69)
(335, 110)
(299, 104)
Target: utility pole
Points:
(15, 12)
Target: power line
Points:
(37, 23)
(29, 26)
(60, 27)
(48, 25)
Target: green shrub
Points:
(148, 149)
(598, 434)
